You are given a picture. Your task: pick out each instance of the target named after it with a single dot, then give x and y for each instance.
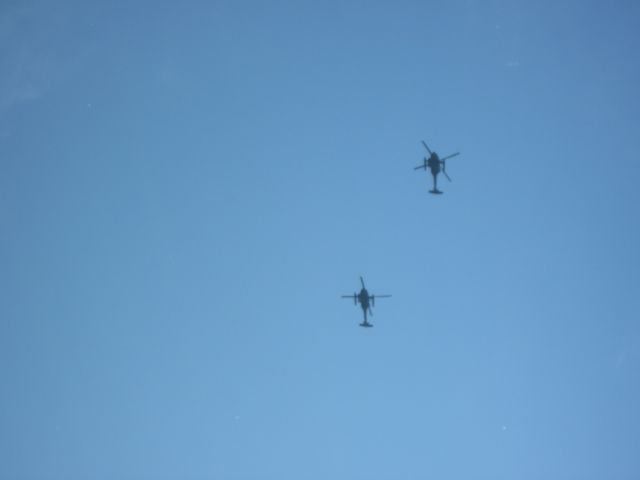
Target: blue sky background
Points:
(187, 189)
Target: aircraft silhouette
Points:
(363, 298)
(434, 162)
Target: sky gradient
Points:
(186, 191)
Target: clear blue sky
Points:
(187, 189)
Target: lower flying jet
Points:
(436, 165)
(363, 299)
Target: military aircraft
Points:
(363, 298)
(434, 162)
